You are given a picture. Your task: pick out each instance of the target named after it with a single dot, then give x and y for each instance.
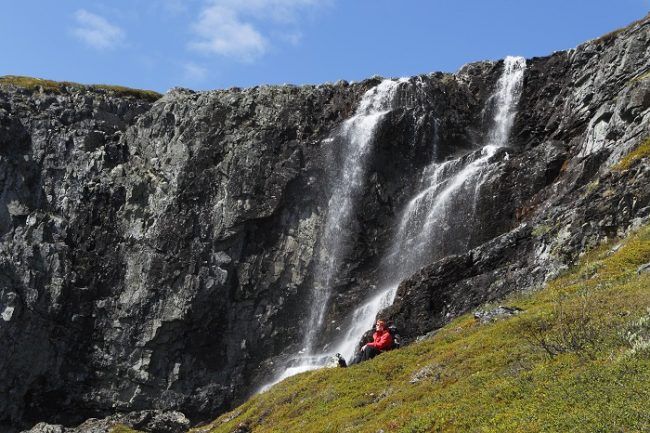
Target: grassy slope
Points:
(38, 84)
(565, 364)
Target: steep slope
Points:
(161, 255)
(574, 356)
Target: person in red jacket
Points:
(382, 340)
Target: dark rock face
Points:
(144, 248)
(160, 256)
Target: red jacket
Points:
(382, 340)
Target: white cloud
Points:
(221, 31)
(194, 72)
(276, 10)
(96, 31)
(232, 28)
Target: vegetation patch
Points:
(638, 335)
(641, 77)
(121, 428)
(541, 229)
(49, 86)
(574, 360)
(611, 36)
(642, 151)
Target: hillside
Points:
(574, 358)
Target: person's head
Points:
(380, 325)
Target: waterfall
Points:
(447, 200)
(356, 136)
(505, 99)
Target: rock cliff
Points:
(160, 255)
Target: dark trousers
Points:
(367, 353)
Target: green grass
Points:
(641, 151)
(49, 86)
(541, 230)
(566, 363)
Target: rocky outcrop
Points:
(160, 255)
(147, 421)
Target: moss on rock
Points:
(49, 86)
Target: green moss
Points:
(592, 186)
(147, 95)
(493, 377)
(541, 229)
(642, 151)
(121, 428)
(38, 84)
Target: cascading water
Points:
(450, 192)
(505, 99)
(449, 189)
(356, 135)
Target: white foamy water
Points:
(505, 99)
(356, 133)
(301, 364)
(362, 320)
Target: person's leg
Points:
(369, 353)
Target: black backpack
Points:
(397, 339)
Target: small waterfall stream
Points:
(449, 190)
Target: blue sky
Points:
(207, 44)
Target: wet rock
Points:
(145, 421)
(42, 427)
